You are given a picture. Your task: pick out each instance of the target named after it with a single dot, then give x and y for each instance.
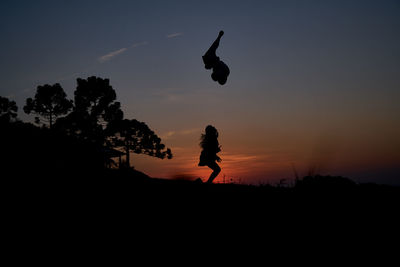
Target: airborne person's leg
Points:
(210, 57)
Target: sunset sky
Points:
(313, 84)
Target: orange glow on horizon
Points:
(268, 155)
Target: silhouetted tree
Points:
(135, 136)
(8, 109)
(94, 108)
(97, 118)
(50, 102)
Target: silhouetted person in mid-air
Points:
(211, 61)
(209, 144)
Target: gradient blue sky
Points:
(313, 83)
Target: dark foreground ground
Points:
(130, 190)
(126, 210)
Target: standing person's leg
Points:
(216, 170)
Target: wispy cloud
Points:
(173, 35)
(181, 133)
(168, 134)
(139, 44)
(111, 55)
(170, 95)
(235, 158)
(190, 131)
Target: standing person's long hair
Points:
(209, 141)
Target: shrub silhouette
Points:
(325, 182)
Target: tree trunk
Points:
(51, 120)
(127, 155)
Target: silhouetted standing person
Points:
(208, 157)
(211, 61)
